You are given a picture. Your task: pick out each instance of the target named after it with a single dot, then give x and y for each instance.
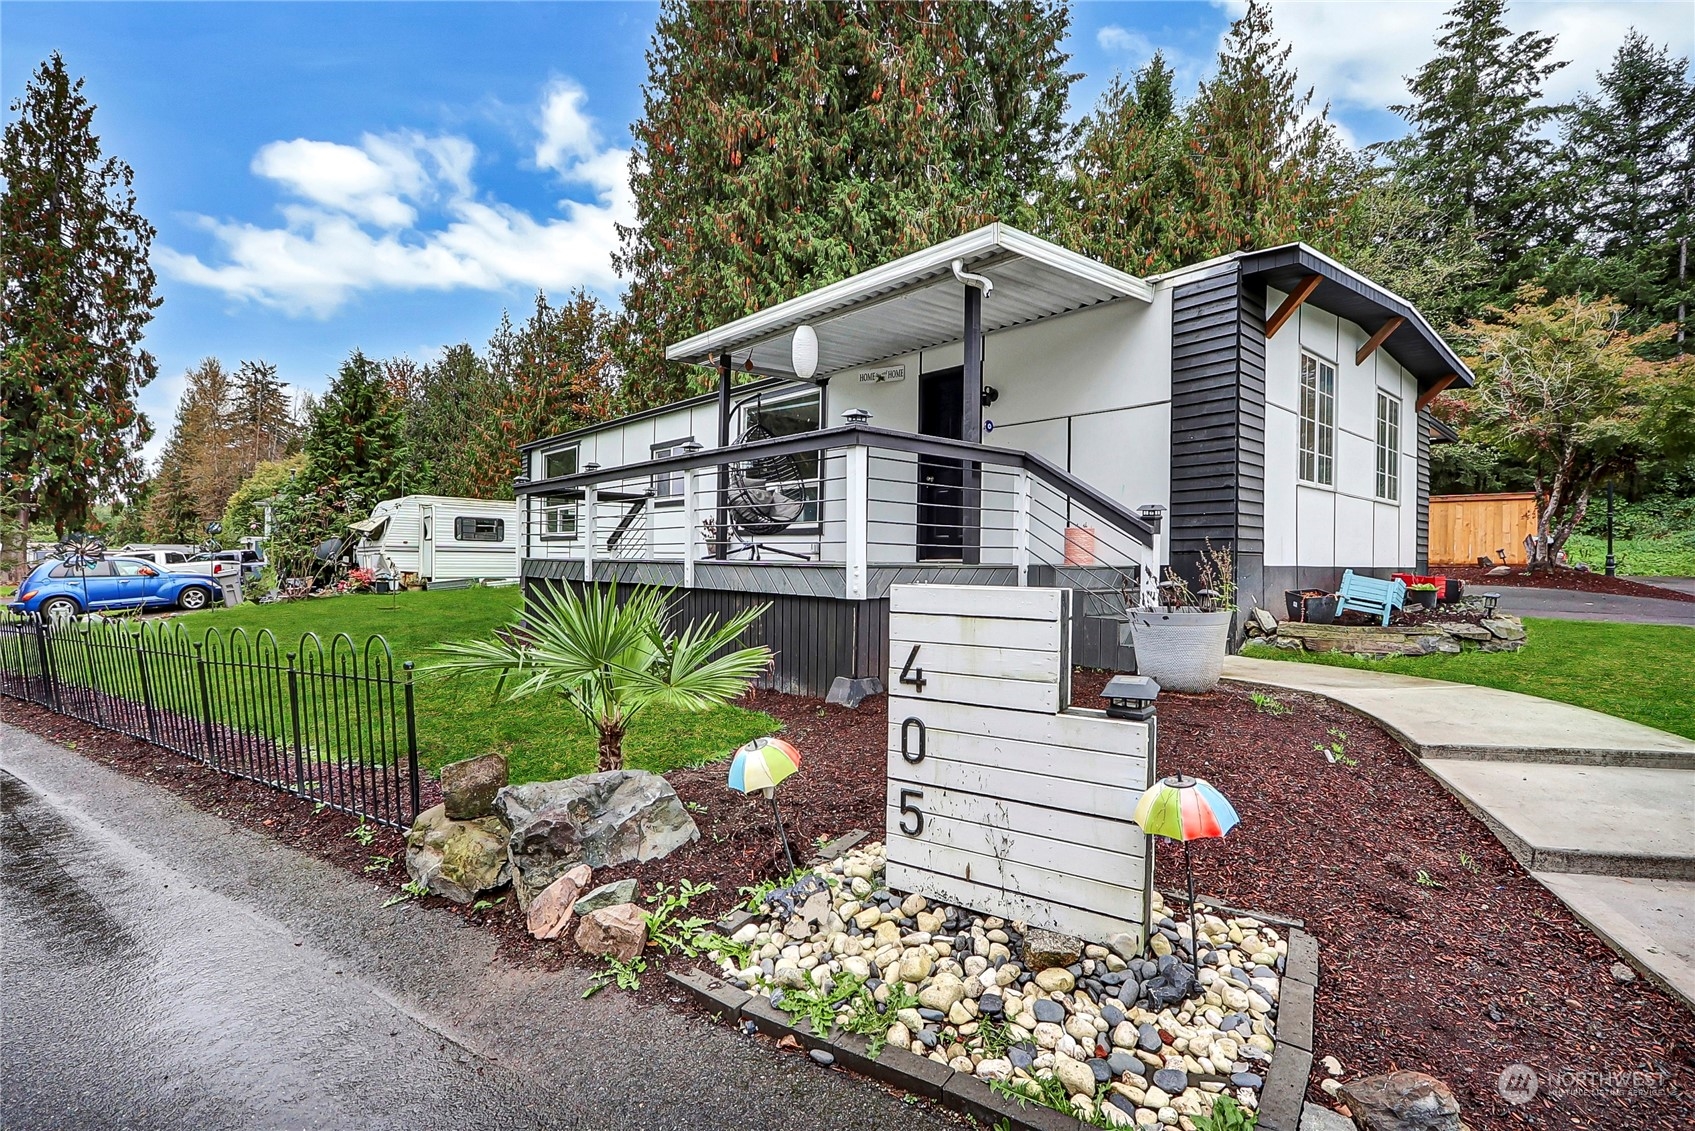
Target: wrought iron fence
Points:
(333, 724)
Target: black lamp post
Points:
(1490, 600)
(1612, 563)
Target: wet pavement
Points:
(1569, 604)
(165, 969)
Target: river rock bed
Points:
(1028, 1008)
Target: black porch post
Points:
(971, 429)
(722, 529)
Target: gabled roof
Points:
(915, 303)
(1345, 292)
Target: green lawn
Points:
(1673, 556)
(1642, 672)
(542, 738)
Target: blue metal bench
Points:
(1370, 596)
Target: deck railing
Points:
(856, 500)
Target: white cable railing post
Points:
(856, 551)
(691, 523)
(591, 504)
(1021, 526)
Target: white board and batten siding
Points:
(1001, 798)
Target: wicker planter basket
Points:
(1181, 649)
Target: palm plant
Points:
(610, 660)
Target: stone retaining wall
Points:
(1492, 634)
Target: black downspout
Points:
(722, 528)
(971, 429)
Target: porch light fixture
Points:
(1130, 697)
(1490, 600)
(692, 447)
(857, 416)
(519, 482)
(803, 352)
(1152, 514)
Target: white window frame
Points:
(1388, 483)
(1315, 435)
(572, 450)
(496, 532)
(668, 486)
(782, 398)
(561, 517)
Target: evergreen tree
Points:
(1129, 165)
(188, 490)
(554, 374)
(452, 418)
(1477, 151)
(78, 295)
(1627, 185)
(355, 444)
(1264, 170)
(1396, 238)
(261, 418)
(783, 146)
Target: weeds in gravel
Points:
(669, 930)
(1469, 863)
(1270, 704)
(1426, 880)
(870, 1019)
(1227, 1115)
(756, 893)
(996, 1040)
(819, 1006)
(624, 975)
(1336, 750)
(487, 904)
(1051, 1093)
(411, 889)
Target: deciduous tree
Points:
(78, 296)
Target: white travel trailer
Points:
(440, 538)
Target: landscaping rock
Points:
(468, 788)
(619, 931)
(550, 912)
(1263, 620)
(457, 859)
(602, 820)
(607, 895)
(1077, 1077)
(1044, 948)
(1402, 1101)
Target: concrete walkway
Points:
(1570, 604)
(1599, 809)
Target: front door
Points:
(941, 481)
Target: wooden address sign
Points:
(1002, 798)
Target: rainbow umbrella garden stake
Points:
(762, 765)
(1185, 808)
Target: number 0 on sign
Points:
(1001, 798)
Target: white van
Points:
(440, 538)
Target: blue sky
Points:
(392, 175)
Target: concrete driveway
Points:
(166, 969)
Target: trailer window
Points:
(468, 529)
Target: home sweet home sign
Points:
(1002, 798)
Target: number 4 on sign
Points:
(911, 676)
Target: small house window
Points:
(669, 484)
(1318, 421)
(561, 462)
(1388, 447)
(559, 516)
(468, 529)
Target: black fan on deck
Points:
(767, 495)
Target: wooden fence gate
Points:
(1464, 528)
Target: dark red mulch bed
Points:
(1461, 979)
(1477, 580)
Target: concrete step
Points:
(1650, 922)
(1437, 719)
(1591, 820)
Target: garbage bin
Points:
(231, 587)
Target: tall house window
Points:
(1388, 447)
(561, 462)
(1318, 421)
(788, 414)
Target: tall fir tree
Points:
(355, 444)
(783, 146)
(1478, 150)
(452, 419)
(1129, 164)
(262, 423)
(78, 296)
(1627, 186)
(186, 490)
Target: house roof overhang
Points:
(1348, 294)
(915, 302)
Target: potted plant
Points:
(1181, 644)
(1424, 593)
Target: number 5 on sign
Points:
(911, 817)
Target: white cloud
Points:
(401, 212)
(1123, 41)
(1359, 55)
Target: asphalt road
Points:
(1569, 604)
(166, 969)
